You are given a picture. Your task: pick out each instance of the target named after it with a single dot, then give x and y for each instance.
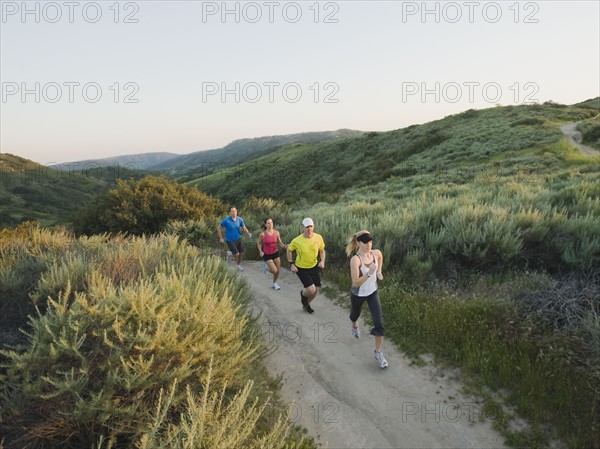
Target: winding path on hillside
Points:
(575, 138)
(334, 387)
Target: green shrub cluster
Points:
(478, 227)
(145, 207)
(199, 233)
(25, 252)
(590, 130)
(137, 342)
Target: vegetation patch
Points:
(136, 342)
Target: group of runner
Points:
(306, 256)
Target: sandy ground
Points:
(335, 388)
(574, 137)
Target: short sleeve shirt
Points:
(307, 250)
(232, 228)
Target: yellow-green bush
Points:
(125, 320)
(210, 421)
(145, 207)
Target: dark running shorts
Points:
(310, 276)
(271, 256)
(235, 246)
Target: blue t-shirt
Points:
(232, 228)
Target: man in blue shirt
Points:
(233, 225)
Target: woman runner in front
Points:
(365, 270)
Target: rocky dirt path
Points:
(335, 388)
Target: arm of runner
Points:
(321, 258)
(246, 230)
(259, 244)
(379, 256)
(279, 241)
(290, 258)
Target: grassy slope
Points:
(398, 161)
(30, 191)
(202, 163)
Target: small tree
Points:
(145, 207)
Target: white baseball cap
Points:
(307, 222)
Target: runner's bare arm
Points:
(259, 244)
(279, 241)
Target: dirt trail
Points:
(574, 137)
(335, 388)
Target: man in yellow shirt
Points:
(309, 248)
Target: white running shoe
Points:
(240, 268)
(356, 332)
(381, 359)
(276, 286)
(229, 256)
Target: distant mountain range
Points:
(131, 161)
(200, 163)
(197, 163)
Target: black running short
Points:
(310, 276)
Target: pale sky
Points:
(84, 80)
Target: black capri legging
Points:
(374, 307)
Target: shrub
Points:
(210, 421)
(529, 121)
(145, 207)
(196, 232)
(25, 254)
(101, 356)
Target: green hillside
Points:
(203, 163)
(592, 103)
(30, 191)
(454, 149)
(486, 189)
